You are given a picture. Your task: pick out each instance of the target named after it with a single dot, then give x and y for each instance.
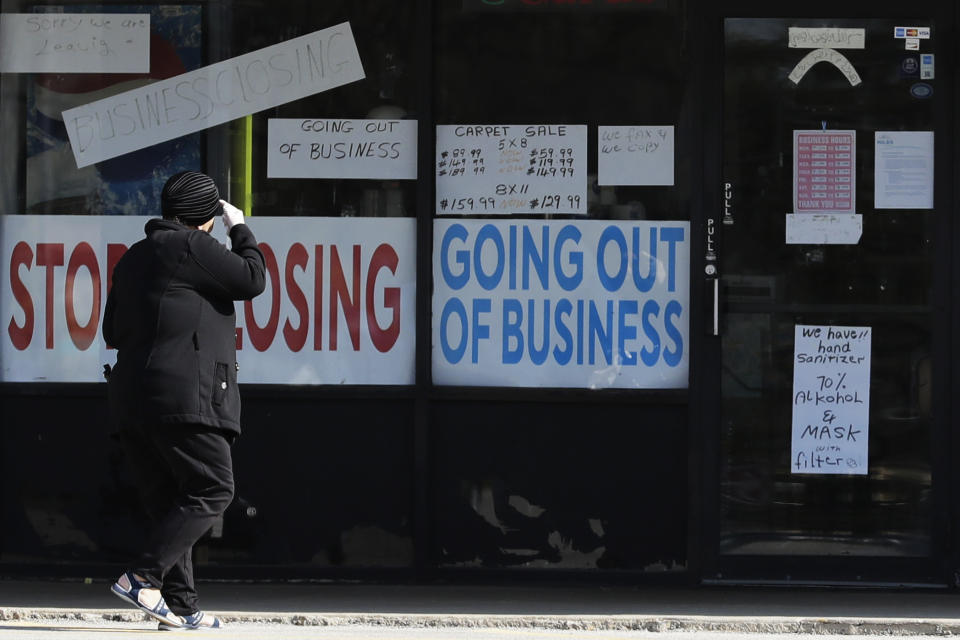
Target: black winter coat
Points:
(170, 315)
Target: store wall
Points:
(449, 369)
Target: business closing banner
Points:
(338, 307)
(569, 303)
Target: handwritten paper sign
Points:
(635, 155)
(824, 171)
(75, 43)
(830, 56)
(213, 95)
(831, 400)
(504, 169)
(903, 174)
(832, 38)
(367, 149)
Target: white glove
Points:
(231, 215)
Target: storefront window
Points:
(305, 115)
(562, 172)
(183, 38)
(559, 129)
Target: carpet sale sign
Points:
(338, 306)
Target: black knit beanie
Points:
(190, 197)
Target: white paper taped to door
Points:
(832, 38)
(824, 228)
(835, 58)
(213, 95)
(831, 400)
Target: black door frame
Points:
(706, 27)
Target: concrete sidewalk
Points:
(745, 610)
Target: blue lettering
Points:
(674, 310)
(602, 331)
(563, 308)
(538, 356)
(650, 308)
(539, 260)
(626, 332)
(672, 235)
(480, 331)
(454, 281)
(579, 332)
(512, 319)
(571, 282)
(491, 233)
(453, 354)
(644, 283)
(611, 234)
(513, 253)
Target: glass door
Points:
(824, 258)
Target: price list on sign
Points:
(511, 169)
(824, 171)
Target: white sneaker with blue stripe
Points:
(198, 620)
(143, 595)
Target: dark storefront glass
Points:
(549, 63)
(187, 37)
(421, 475)
(324, 482)
(547, 484)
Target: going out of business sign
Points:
(339, 305)
(578, 303)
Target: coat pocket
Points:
(220, 384)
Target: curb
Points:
(654, 624)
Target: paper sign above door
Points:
(835, 58)
(830, 38)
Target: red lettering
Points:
(296, 338)
(262, 337)
(82, 335)
(22, 255)
(339, 295)
(384, 257)
(318, 298)
(49, 255)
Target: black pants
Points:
(185, 478)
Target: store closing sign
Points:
(221, 92)
(530, 303)
(338, 306)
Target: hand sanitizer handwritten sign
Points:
(831, 400)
